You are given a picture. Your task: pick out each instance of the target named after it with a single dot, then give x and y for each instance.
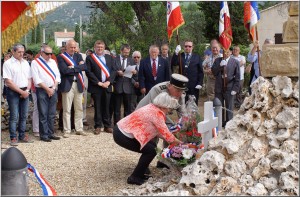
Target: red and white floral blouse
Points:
(145, 124)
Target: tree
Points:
(77, 33)
(211, 12)
(38, 34)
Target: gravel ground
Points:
(80, 165)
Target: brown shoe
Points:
(97, 131)
(108, 130)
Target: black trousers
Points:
(148, 151)
(118, 99)
(101, 109)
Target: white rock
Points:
(257, 190)
(262, 169)
(269, 183)
(288, 118)
(296, 91)
(283, 86)
(174, 193)
(290, 182)
(235, 168)
(280, 160)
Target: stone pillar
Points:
(282, 59)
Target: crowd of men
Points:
(62, 83)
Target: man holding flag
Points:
(226, 69)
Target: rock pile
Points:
(256, 154)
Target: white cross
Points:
(205, 127)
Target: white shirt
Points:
(211, 59)
(125, 62)
(242, 66)
(102, 58)
(39, 75)
(18, 72)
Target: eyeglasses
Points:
(47, 53)
(136, 57)
(187, 46)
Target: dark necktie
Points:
(123, 64)
(186, 57)
(154, 68)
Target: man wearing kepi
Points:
(176, 87)
(46, 77)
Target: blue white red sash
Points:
(46, 68)
(101, 65)
(46, 187)
(71, 62)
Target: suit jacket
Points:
(94, 73)
(193, 71)
(145, 77)
(233, 75)
(67, 74)
(123, 84)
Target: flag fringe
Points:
(175, 30)
(20, 27)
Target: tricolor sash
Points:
(46, 187)
(71, 62)
(101, 65)
(46, 68)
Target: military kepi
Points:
(179, 81)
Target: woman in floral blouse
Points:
(136, 131)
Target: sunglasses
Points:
(47, 53)
(187, 46)
(136, 57)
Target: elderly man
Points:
(190, 65)
(227, 73)
(137, 95)
(17, 77)
(101, 73)
(207, 64)
(165, 54)
(242, 61)
(153, 70)
(71, 66)
(46, 78)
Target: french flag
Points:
(174, 17)
(225, 31)
(251, 17)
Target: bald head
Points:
(71, 47)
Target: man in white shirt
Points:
(17, 77)
(242, 60)
(46, 78)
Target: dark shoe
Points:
(135, 180)
(97, 131)
(160, 164)
(54, 137)
(86, 124)
(46, 139)
(26, 140)
(108, 130)
(147, 171)
(14, 142)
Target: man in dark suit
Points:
(137, 95)
(153, 70)
(227, 73)
(101, 73)
(123, 85)
(71, 65)
(190, 65)
(165, 54)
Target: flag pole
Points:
(256, 34)
(179, 54)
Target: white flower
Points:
(187, 153)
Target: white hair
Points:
(166, 101)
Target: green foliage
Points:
(35, 48)
(211, 12)
(38, 34)
(77, 33)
